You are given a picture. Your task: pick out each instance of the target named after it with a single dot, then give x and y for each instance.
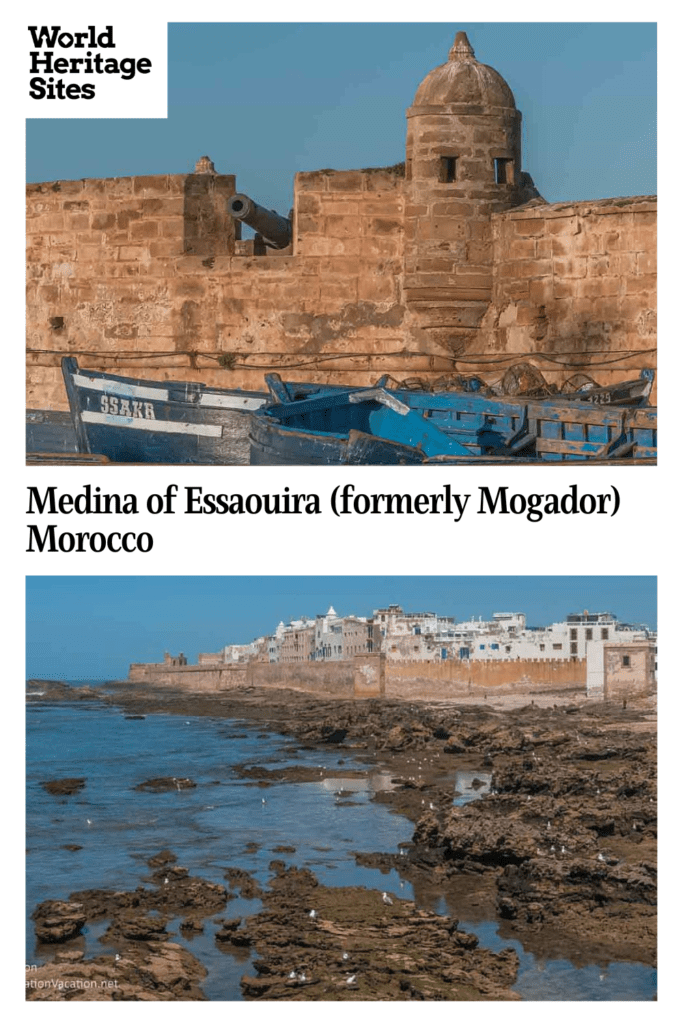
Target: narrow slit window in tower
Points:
(448, 168)
(502, 165)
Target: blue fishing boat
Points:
(142, 421)
(356, 427)
(131, 420)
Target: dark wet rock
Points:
(319, 943)
(161, 858)
(136, 925)
(192, 925)
(333, 734)
(72, 847)
(153, 971)
(58, 920)
(52, 690)
(244, 882)
(454, 746)
(63, 787)
(466, 834)
(231, 931)
(68, 956)
(169, 873)
(166, 784)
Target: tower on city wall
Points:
(463, 163)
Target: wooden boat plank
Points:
(415, 431)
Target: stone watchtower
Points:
(463, 163)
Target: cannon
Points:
(275, 230)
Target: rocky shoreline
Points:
(560, 849)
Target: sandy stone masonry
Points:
(451, 262)
(373, 675)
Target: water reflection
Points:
(471, 786)
(373, 782)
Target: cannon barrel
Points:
(276, 230)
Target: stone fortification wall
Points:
(443, 679)
(372, 676)
(138, 276)
(105, 279)
(334, 678)
(574, 283)
(193, 678)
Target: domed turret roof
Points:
(462, 80)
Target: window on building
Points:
(541, 647)
(573, 634)
(447, 169)
(589, 634)
(626, 660)
(557, 647)
(573, 648)
(503, 169)
(604, 634)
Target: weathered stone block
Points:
(144, 229)
(151, 184)
(541, 290)
(345, 181)
(341, 227)
(132, 252)
(77, 221)
(599, 286)
(164, 247)
(383, 226)
(642, 284)
(526, 227)
(646, 263)
(376, 246)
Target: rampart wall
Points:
(373, 675)
(142, 276)
(330, 679)
(193, 678)
(575, 283)
(443, 679)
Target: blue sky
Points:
(81, 627)
(267, 100)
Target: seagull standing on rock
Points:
(386, 898)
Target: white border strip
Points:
(231, 402)
(158, 426)
(117, 387)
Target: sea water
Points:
(227, 822)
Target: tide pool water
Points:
(227, 822)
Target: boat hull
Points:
(130, 420)
(141, 421)
(533, 433)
